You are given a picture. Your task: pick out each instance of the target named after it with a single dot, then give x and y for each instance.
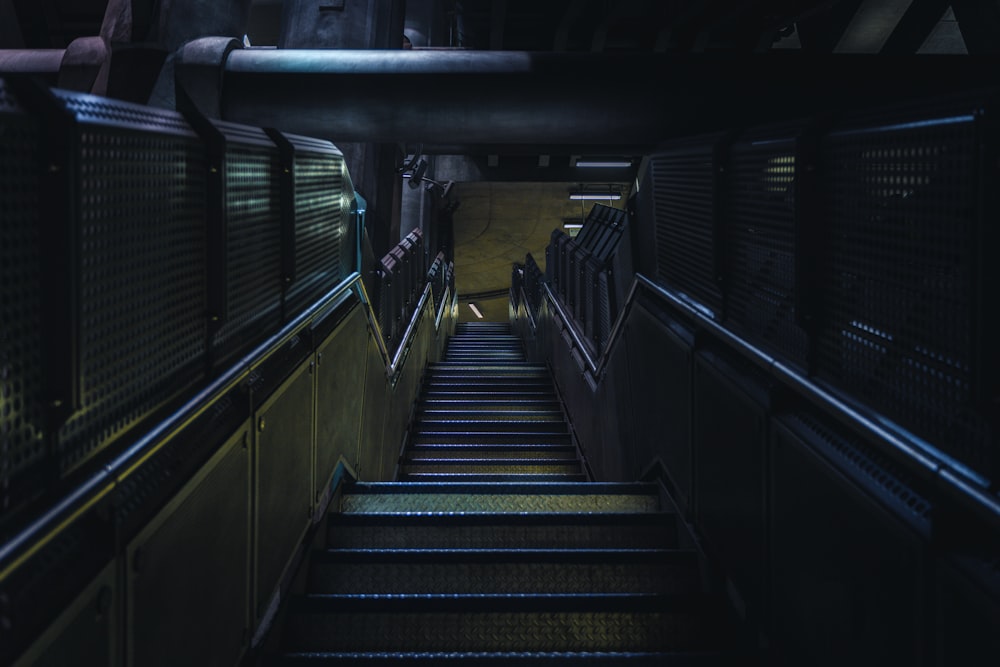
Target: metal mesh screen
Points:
(142, 268)
(760, 238)
(684, 194)
(22, 445)
(319, 227)
(900, 280)
(253, 246)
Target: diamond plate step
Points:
(479, 466)
(506, 414)
(465, 571)
(486, 392)
(493, 477)
(650, 530)
(504, 623)
(533, 438)
(390, 497)
(489, 401)
(471, 386)
(493, 425)
(485, 371)
(524, 659)
(451, 453)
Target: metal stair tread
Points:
(494, 477)
(453, 555)
(653, 529)
(409, 459)
(530, 658)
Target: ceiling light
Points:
(475, 310)
(595, 196)
(572, 225)
(604, 164)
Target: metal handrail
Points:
(41, 531)
(921, 458)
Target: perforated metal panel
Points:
(253, 239)
(760, 242)
(142, 267)
(320, 227)
(22, 446)
(900, 280)
(684, 195)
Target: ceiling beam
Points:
(448, 99)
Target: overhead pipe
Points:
(73, 68)
(457, 100)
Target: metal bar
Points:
(931, 465)
(45, 528)
(919, 457)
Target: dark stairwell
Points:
(493, 548)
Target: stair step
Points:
(493, 477)
(448, 369)
(634, 622)
(501, 467)
(493, 425)
(503, 414)
(472, 457)
(650, 530)
(525, 659)
(470, 571)
(524, 453)
(489, 393)
(390, 497)
(488, 400)
(462, 387)
(495, 345)
(531, 438)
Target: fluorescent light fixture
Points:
(604, 164)
(595, 196)
(572, 225)
(475, 310)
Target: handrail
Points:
(50, 524)
(441, 306)
(29, 540)
(921, 458)
(411, 329)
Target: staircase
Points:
(486, 415)
(493, 550)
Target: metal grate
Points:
(142, 270)
(319, 224)
(684, 197)
(900, 280)
(22, 445)
(760, 238)
(253, 246)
